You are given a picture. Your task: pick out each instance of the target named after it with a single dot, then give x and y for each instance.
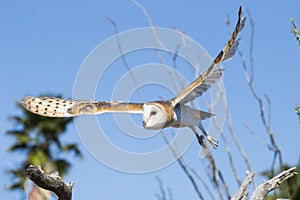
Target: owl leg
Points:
(200, 138)
(210, 139)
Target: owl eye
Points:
(153, 113)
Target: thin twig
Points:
(228, 150)
(213, 174)
(224, 184)
(269, 109)
(251, 48)
(236, 141)
(249, 79)
(156, 38)
(230, 158)
(160, 44)
(229, 121)
(144, 11)
(259, 139)
(183, 166)
(123, 58)
(203, 182)
(162, 195)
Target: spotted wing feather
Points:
(57, 107)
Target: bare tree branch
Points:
(160, 44)
(220, 128)
(144, 12)
(183, 167)
(249, 79)
(203, 182)
(180, 160)
(262, 190)
(258, 138)
(123, 58)
(214, 176)
(229, 120)
(236, 141)
(163, 191)
(51, 182)
(243, 191)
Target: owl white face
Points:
(154, 117)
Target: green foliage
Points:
(297, 109)
(38, 139)
(20, 177)
(292, 191)
(295, 31)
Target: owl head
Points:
(154, 116)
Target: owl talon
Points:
(212, 141)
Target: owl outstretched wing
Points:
(227, 52)
(205, 85)
(57, 107)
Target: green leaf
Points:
(16, 186)
(19, 176)
(38, 158)
(38, 138)
(295, 31)
(297, 109)
(18, 147)
(61, 166)
(73, 147)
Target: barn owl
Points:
(157, 114)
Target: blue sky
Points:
(44, 43)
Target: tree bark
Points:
(51, 182)
(243, 191)
(262, 190)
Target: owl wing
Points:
(227, 52)
(57, 107)
(205, 85)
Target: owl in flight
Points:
(157, 114)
